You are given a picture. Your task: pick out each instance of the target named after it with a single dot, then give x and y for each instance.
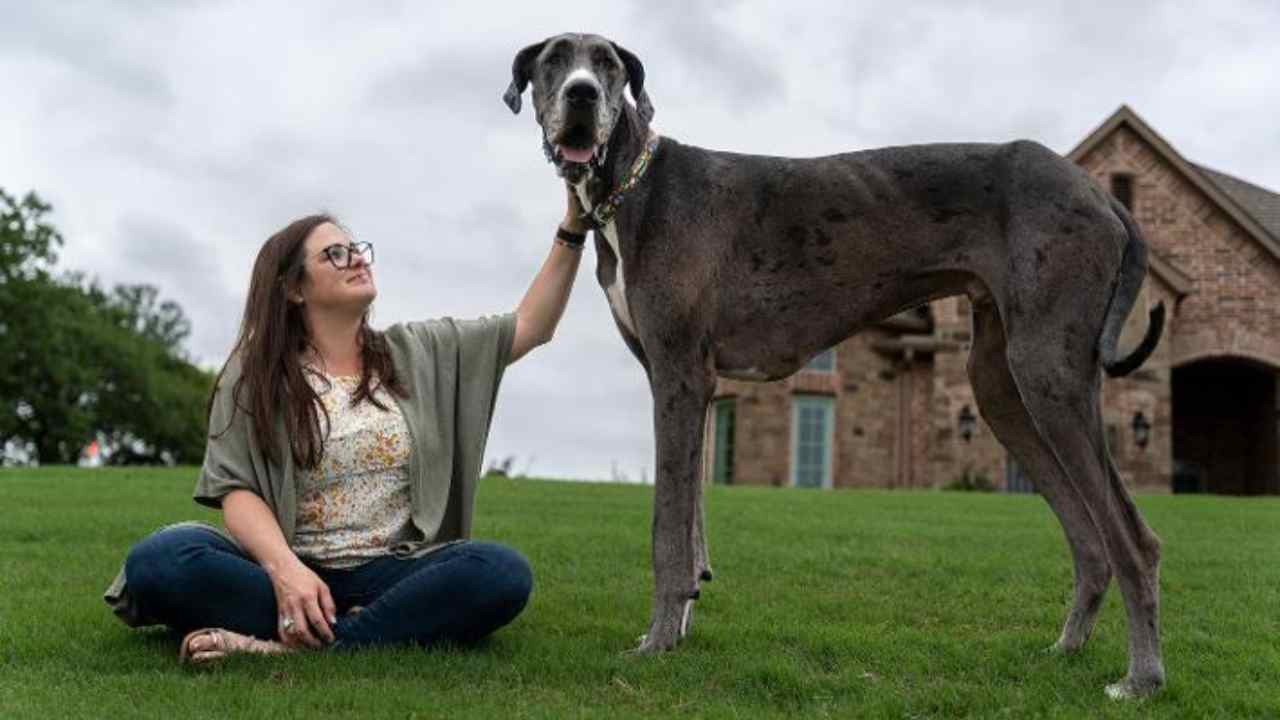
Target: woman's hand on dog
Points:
(574, 215)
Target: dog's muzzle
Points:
(568, 166)
(576, 140)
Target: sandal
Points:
(223, 643)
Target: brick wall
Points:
(867, 414)
(865, 392)
(1233, 308)
(950, 455)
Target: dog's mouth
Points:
(575, 145)
(569, 154)
(575, 149)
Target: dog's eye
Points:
(559, 55)
(603, 60)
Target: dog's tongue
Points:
(578, 155)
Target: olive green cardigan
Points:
(451, 370)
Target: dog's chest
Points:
(616, 291)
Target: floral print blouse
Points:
(354, 506)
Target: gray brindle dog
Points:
(744, 266)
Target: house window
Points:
(824, 361)
(812, 430)
(722, 459)
(1122, 188)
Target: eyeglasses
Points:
(343, 256)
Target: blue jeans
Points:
(190, 578)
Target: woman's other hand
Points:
(307, 611)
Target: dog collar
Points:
(603, 213)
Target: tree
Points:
(77, 360)
(47, 363)
(135, 308)
(28, 244)
(37, 371)
(148, 393)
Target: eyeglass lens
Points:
(342, 255)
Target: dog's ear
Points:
(635, 76)
(521, 71)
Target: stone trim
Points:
(1179, 282)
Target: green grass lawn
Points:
(825, 604)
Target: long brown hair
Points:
(272, 338)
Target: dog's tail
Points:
(1133, 270)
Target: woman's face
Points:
(344, 287)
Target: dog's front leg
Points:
(680, 402)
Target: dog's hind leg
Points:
(1142, 574)
(1002, 407)
(1061, 391)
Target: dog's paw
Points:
(1061, 648)
(1119, 691)
(647, 646)
(1128, 688)
(660, 638)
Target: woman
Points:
(344, 460)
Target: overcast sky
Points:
(174, 137)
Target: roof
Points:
(1253, 208)
(1259, 202)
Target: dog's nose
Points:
(582, 93)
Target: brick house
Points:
(891, 407)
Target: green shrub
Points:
(971, 481)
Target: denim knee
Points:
(147, 567)
(510, 577)
(153, 566)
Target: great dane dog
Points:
(744, 266)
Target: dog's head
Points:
(577, 96)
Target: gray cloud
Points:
(159, 251)
(456, 80)
(69, 35)
(697, 44)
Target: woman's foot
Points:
(212, 644)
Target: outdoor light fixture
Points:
(1141, 430)
(968, 421)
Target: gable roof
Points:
(1259, 202)
(1253, 208)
